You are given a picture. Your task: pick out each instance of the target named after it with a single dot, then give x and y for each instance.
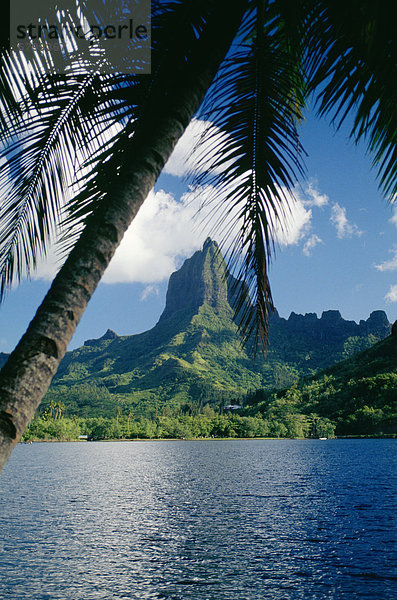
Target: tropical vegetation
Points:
(206, 425)
(357, 396)
(194, 353)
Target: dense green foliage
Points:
(355, 397)
(359, 395)
(198, 360)
(194, 358)
(206, 424)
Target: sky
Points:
(338, 249)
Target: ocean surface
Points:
(206, 520)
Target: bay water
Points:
(203, 520)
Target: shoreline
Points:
(387, 436)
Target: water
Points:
(241, 520)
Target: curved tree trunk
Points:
(26, 376)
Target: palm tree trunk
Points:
(30, 368)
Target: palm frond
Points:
(44, 141)
(352, 68)
(170, 57)
(256, 156)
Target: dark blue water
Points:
(241, 520)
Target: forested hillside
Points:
(358, 395)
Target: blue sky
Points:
(340, 250)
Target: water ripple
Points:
(246, 520)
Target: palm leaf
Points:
(48, 139)
(170, 56)
(352, 67)
(256, 156)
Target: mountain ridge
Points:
(187, 291)
(358, 395)
(376, 324)
(194, 354)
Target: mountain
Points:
(194, 354)
(359, 395)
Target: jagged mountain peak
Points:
(204, 279)
(201, 279)
(210, 245)
(332, 324)
(194, 352)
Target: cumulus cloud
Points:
(180, 161)
(48, 266)
(311, 243)
(287, 230)
(313, 197)
(343, 227)
(391, 296)
(163, 231)
(291, 228)
(166, 230)
(389, 265)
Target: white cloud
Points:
(180, 161)
(287, 230)
(49, 266)
(343, 227)
(312, 196)
(391, 296)
(294, 225)
(161, 234)
(389, 265)
(150, 290)
(290, 229)
(165, 231)
(311, 243)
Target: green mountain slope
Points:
(194, 355)
(359, 395)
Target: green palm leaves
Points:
(256, 104)
(351, 63)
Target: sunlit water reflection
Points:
(241, 520)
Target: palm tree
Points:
(250, 67)
(60, 407)
(52, 408)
